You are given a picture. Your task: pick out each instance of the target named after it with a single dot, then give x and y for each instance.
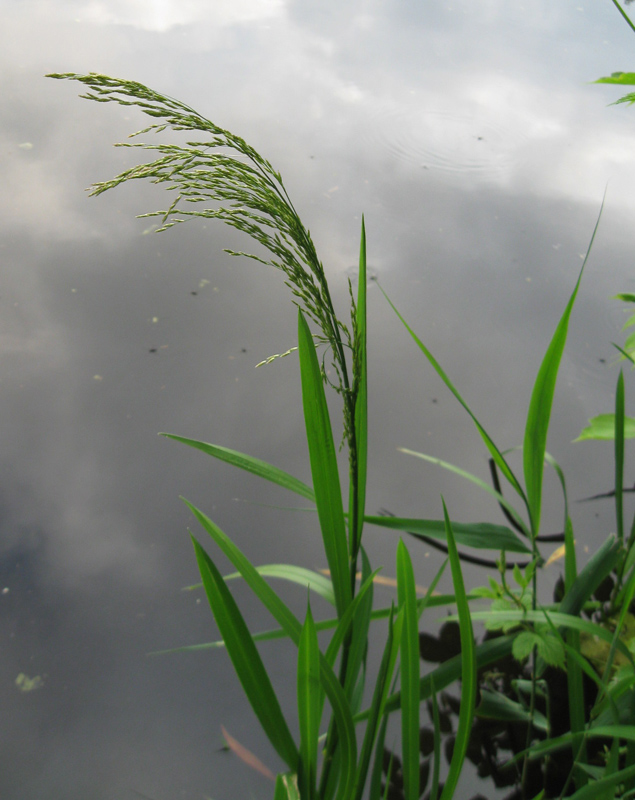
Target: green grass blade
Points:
(246, 660)
(376, 720)
(468, 668)
(409, 671)
(436, 764)
(630, 76)
(601, 563)
(538, 416)
(489, 442)
(314, 581)
(249, 464)
(360, 377)
(619, 456)
(473, 478)
(326, 481)
(286, 787)
(480, 535)
(378, 762)
(359, 640)
(358, 606)
(292, 628)
(309, 707)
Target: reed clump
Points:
(547, 699)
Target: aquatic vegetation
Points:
(526, 713)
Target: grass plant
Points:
(344, 703)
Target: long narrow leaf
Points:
(468, 668)
(409, 670)
(286, 787)
(249, 464)
(324, 471)
(489, 442)
(309, 706)
(591, 576)
(246, 660)
(378, 703)
(292, 628)
(473, 478)
(539, 413)
(360, 376)
(619, 456)
(480, 535)
(314, 581)
(359, 640)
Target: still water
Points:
(470, 137)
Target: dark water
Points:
(469, 137)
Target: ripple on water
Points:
(453, 142)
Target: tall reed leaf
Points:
(292, 627)
(246, 660)
(480, 535)
(249, 464)
(376, 720)
(357, 503)
(324, 471)
(286, 787)
(619, 456)
(409, 670)
(539, 414)
(495, 452)
(468, 668)
(309, 706)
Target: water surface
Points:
(469, 136)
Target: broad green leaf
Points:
(357, 501)
(246, 660)
(249, 464)
(292, 628)
(627, 297)
(324, 471)
(559, 619)
(309, 707)
(539, 413)
(474, 479)
(409, 671)
(621, 79)
(469, 682)
(481, 535)
(548, 647)
(603, 427)
(489, 442)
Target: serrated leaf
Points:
(603, 427)
(619, 78)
